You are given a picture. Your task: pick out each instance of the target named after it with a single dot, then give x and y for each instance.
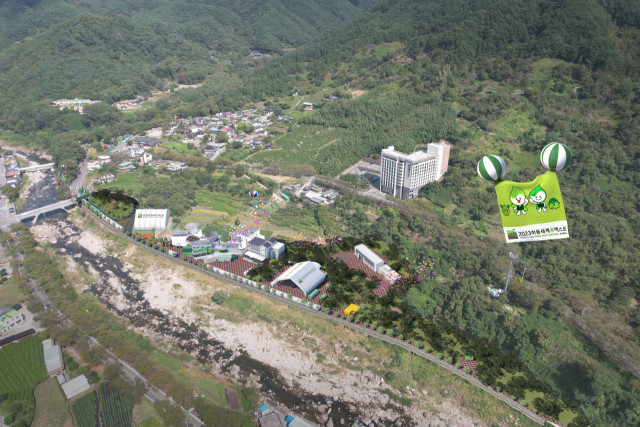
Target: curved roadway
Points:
(470, 378)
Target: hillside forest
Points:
(490, 77)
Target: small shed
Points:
(75, 386)
(271, 420)
(351, 309)
(263, 409)
(298, 422)
(52, 358)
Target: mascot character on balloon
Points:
(530, 210)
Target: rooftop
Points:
(372, 256)
(305, 275)
(417, 156)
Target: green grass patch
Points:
(212, 391)
(74, 121)
(167, 362)
(179, 147)
(10, 293)
(218, 202)
(238, 303)
(126, 181)
(151, 422)
(51, 408)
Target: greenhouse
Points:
(149, 219)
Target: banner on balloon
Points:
(533, 210)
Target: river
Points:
(42, 193)
(134, 306)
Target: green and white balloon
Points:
(492, 168)
(555, 156)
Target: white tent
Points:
(305, 275)
(149, 219)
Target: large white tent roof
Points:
(305, 275)
(148, 219)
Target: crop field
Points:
(218, 202)
(301, 146)
(21, 368)
(125, 181)
(85, 410)
(115, 410)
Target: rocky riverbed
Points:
(161, 301)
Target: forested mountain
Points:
(225, 25)
(93, 57)
(493, 37)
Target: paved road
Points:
(79, 181)
(5, 218)
(3, 179)
(307, 184)
(470, 378)
(44, 209)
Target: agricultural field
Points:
(301, 146)
(218, 202)
(85, 410)
(51, 408)
(115, 410)
(21, 368)
(125, 181)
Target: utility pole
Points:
(513, 257)
(583, 310)
(525, 269)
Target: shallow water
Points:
(196, 341)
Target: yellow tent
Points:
(351, 309)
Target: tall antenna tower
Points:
(497, 292)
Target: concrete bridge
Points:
(43, 210)
(37, 168)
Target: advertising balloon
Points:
(530, 211)
(492, 168)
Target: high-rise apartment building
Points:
(403, 175)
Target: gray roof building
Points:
(305, 275)
(75, 386)
(146, 141)
(52, 358)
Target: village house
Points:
(9, 319)
(126, 166)
(93, 165)
(145, 142)
(144, 159)
(136, 152)
(176, 166)
(107, 177)
(104, 159)
(159, 162)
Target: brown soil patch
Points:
(402, 59)
(232, 399)
(357, 93)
